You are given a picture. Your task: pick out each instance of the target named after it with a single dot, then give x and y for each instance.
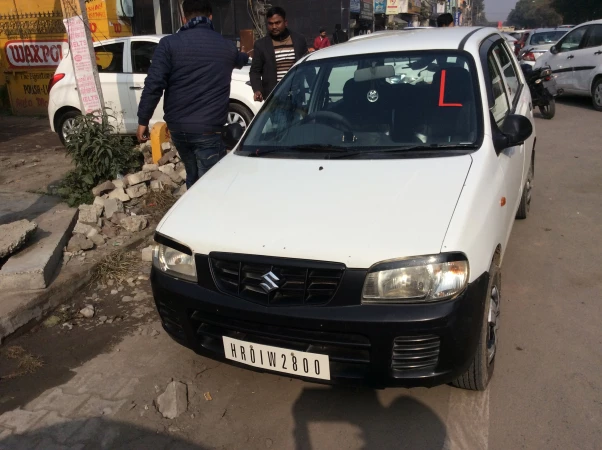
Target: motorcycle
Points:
(543, 89)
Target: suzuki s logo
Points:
(270, 282)
(372, 96)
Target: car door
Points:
(141, 58)
(562, 63)
(509, 98)
(587, 59)
(110, 58)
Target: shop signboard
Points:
(355, 6)
(380, 6)
(367, 11)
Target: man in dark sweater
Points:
(193, 69)
(274, 54)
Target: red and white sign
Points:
(396, 7)
(82, 64)
(31, 53)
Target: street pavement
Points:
(545, 394)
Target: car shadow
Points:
(576, 101)
(405, 424)
(93, 433)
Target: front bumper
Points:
(375, 345)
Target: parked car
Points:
(357, 231)
(521, 37)
(539, 42)
(576, 61)
(511, 39)
(122, 65)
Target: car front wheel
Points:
(477, 377)
(239, 114)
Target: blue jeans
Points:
(198, 152)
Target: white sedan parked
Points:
(356, 233)
(122, 65)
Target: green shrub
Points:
(98, 154)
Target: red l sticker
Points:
(442, 94)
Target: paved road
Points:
(546, 392)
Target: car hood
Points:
(539, 48)
(357, 212)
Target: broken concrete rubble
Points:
(147, 254)
(82, 228)
(180, 191)
(138, 190)
(120, 183)
(14, 235)
(138, 177)
(150, 167)
(97, 239)
(90, 213)
(156, 185)
(112, 206)
(134, 223)
(79, 242)
(103, 188)
(167, 157)
(119, 194)
(174, 401)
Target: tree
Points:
(534, 14)
(578, 11)
(478, 13)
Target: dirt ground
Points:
(32, 158)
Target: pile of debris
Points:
(118, 204)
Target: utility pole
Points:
(83, 57)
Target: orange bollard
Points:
(158, 135)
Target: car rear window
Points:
(547, 37)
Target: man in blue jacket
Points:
(193, 68)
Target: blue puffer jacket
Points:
(194, 69)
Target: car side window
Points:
(142, 55)
(109, 58)
(508, 69)
(594, 38)
(572, 41)
(501, 105)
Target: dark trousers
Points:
(198, 152)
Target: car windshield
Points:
(547, 37)
(367, 103)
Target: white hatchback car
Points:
(576, 61)
(357, 231)
(123, 64)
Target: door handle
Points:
(570, 57)
(136, 88)
(599, 52)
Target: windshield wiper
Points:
(303, 147)
(405, 149)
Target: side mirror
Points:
(515, 130)
(554, 50)
(232, 134)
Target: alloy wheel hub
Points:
(493, 323)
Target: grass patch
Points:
(27, 363)
(117, 266)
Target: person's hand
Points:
(258, 97)
(142, 133)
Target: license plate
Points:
(312, 365)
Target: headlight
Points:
(174, 262)
(427, 279)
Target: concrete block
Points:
(119, 194)
(137, 191)
(150, 167)
(79, 242)
(167, 157)
(82, 228)
(147, 253)
(156, 185)
(180, 191)
(34, 266)
(14, 235)
(112, 206)
(166, 146)
(103, 188)
(138, 177)
(121, 183)
(134, 224)
(90, 213)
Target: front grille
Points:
(299, 282)
(349, 354)
(414, 353)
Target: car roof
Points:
(547, 30)
(424, 39)
(153, 37)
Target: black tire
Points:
(525, 201)
(240, 114)
(478, 375)
(60, 124)
(597, 94)
(549, 111)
